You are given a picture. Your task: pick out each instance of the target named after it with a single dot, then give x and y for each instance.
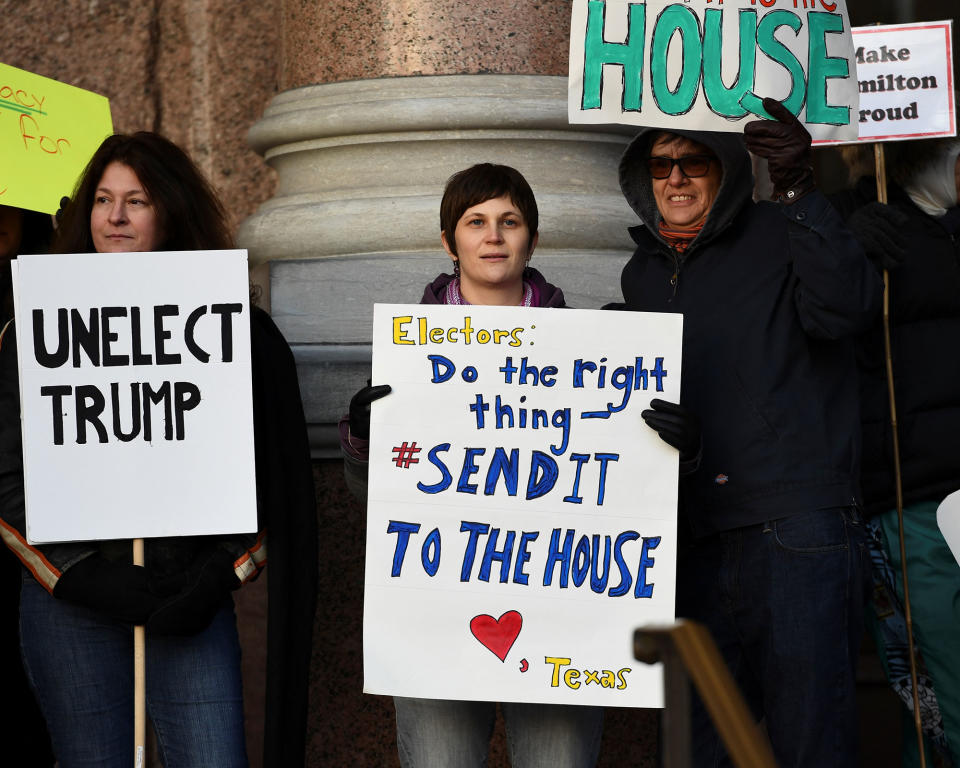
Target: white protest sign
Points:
(136, 394)
(905, 76)
(706, 65)
(521, 517)
(948, 518)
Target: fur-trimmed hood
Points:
(736, 187)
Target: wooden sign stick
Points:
(881, 171)
(139, 679)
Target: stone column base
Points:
(355, 218)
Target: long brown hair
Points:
(189, 212)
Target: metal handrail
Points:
(689, 654)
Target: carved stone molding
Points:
(355, 217)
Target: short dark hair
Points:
(35, 231)
(480, 183)
(190, 215)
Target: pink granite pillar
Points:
(329, 42)
(380, 102)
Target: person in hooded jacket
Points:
(488, 227)
(916, 237)
(771, 557)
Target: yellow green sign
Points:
(48, 133)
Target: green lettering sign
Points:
(676, 18)
(628, 55)
(778, 52)
(821, 68)
(722, 100)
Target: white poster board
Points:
(136, 399)
(948, 519)
(905, 77)
(513, 563)
(704, 65)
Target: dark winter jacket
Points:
(286, 499)
(772, 297)
(925, 338)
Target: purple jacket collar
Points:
(545, 294)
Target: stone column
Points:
(384, 100)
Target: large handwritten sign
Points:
(706, 64)
(136, 394)
(48, 133)
(905, 77)
(521, 516)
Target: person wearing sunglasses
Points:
(771, 555)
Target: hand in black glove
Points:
(785, 143)
(116, 590)
(675, 425)
(878, 228)
(192, 609)
(64, 202)
(360, 409)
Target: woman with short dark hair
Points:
(488, 227)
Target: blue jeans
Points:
(784, 603)
(434, 733)
(81, 668)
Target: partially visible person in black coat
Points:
(916, 237)
(21, 231)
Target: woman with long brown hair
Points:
(80, 600)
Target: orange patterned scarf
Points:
(679, 239)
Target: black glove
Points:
(785, 143)
(878, 227)
(192, 609)
(116, 590)
(675, 425)
(360, 409)
(64, 202)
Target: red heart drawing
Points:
(497, 635)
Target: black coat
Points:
(287, 498)
(772, 298)
(925, 337)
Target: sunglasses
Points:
(690, 165)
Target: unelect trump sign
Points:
(136, 394)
